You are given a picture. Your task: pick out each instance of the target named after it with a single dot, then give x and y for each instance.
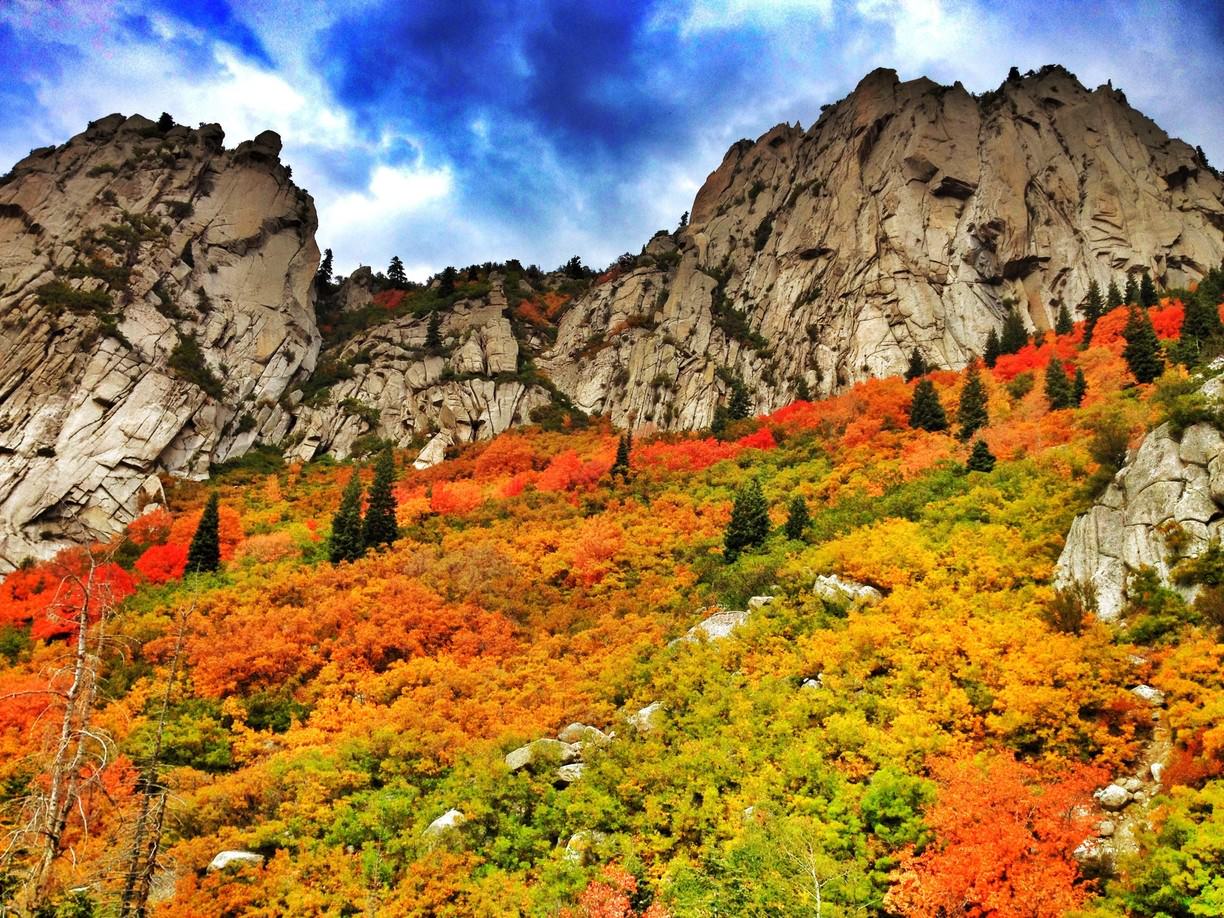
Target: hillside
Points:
(893, 712)
(157, 313)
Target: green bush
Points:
(187, 360)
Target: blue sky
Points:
(463, 131)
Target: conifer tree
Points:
(347, 538)
(1013, 337)
(926, 411)
(1079, 387)
(981, 459)
(380, 526)
(204, 555)
(395, 273)
(797, 518)
(718, 426)
(1131, 294)
(433, 332)
(1147, 291)
(971, 413)
(1064, 323)
(1142, 350)
(917, 366)
(1092, 309)
(1057, 386)
(990, 356)
(738, 407)
(1113, 296)
(1201, 320)
(620, 465)
(1038, 338)
(749, 523)
(323, 278)
(446, 284)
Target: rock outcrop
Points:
(1166, 502)
(155, 305)
(909, 215)
(397, 389)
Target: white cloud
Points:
(392, 193)
(710, 15)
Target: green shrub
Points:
(187, 360)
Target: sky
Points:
(461, 131)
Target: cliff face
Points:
(908, 216)
(155, 304)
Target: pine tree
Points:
(1092, 309)
(684, 217)
(347, 539)
(1113, 297)
(433, 332)
(380, 526)
(1079, 387)
(1064, 323)
(971, 413)
(718, 426)
(446, 284)
(1142, 350)
(1201, 320)
(749, 523)
(204, 555)
(738, 406)
(1057, 386)
(1013, 337)
(802, 392)
(624, 449)
(981, 459)
(1147, 292)
(990, 356)
(1130, 295)
(395, 273)
(926, 412)
(165, 122)
(1038, 338)
(323, 278)
(797, 518)
(917, 366)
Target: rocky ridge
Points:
(155, 304)
(909, 215)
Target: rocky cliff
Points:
(909, 215)
(1165, 504)
(155, 304)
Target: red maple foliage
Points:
(611, 896)
(48, 595)
(162, 563)
(1006, 836)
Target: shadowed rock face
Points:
(155, 304)
(908, 216)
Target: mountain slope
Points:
(155, 303)
(909, 215)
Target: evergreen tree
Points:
(1113, 297)
(446, 284)
(971, 413)
(981, 459)
(1079, 387)
(204, 555)
(347, 538)
(380, 526)
(1057, 386)
(1064, 323)
(990, 356)
(1038, 338)
(433, 332)
(683, 222)
(1092, 309)
(395, 273)
(1014, 337)
(802, 392)
(749, 523)
(738, 406)
(797, 518)
(1142, 350)
(1147, 292)
(323, 278)
(165, 122)
(1201, 319)
(1131, 294)
(718, 427)
(917, 366)
(624, 449)
(926, 412)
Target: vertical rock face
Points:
(909, 215)
(1171, 491)
(155, 304)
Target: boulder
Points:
(718, 626)
(568, 774)
(1152, 696)
(227, 859)
(1113, 797)
(582, 846)
(581, 733)
(1157, 771)
(449, 821)
(759, 602)
(540, 750)
(832, 588)
(647, 718)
